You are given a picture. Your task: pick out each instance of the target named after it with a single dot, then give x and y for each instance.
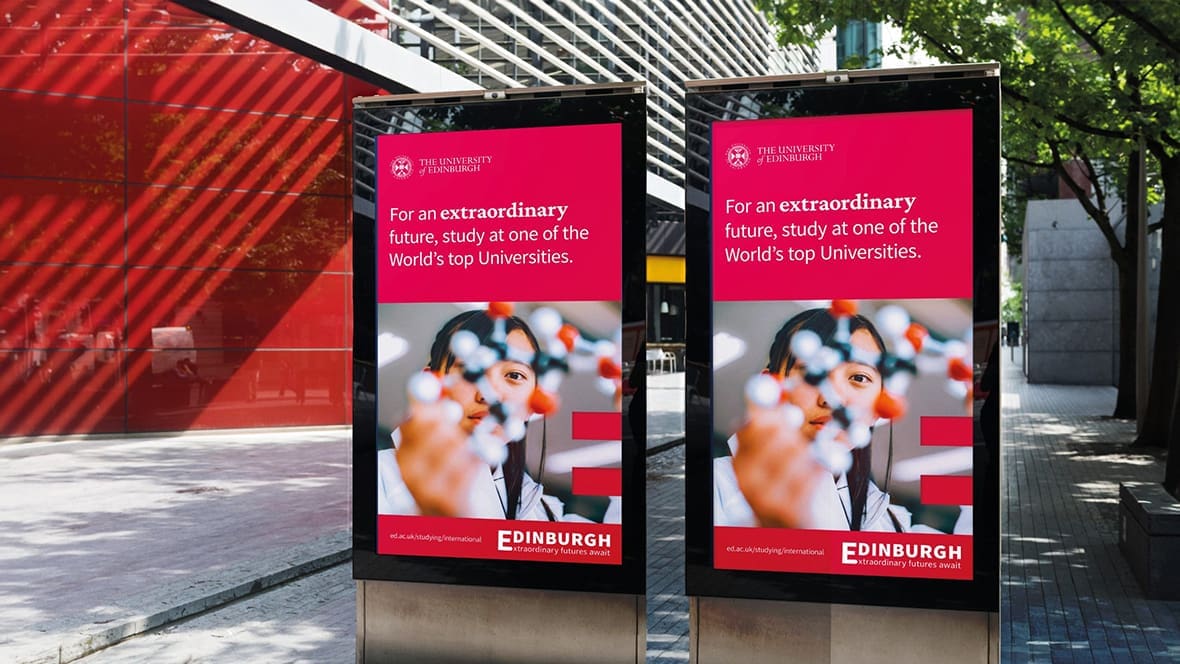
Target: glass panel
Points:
(51, 221)
(226, 150)
(236, 229)
(235, 309)
(66, 47)
(180, 59)
(53, 306)
(61, 391)
(79, 138)
(178, 389)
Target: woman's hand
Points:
(775, 470)
(435, 461)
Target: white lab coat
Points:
(487, 497)
(831, 505)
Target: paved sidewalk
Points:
(310, 620)
(665, 409)
(103, 539)
(667, 607)
(1067, 593)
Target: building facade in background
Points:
(1070, 291)
(175, 205)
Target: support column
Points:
(753, 631)
(426, 622)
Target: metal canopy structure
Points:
(498, 44)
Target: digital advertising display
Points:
(497, 439)
(845, 358)
(794, 203)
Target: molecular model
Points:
(563, 347)
(916, 352)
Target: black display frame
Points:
(975, 87)
(622, 103)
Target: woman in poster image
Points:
(432, 469)
(772, 478)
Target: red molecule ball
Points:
(500, 309)
(608, 369)
(916, 335)
(841, 308)
(957, 369)
(889, 406)
(542, 402)
(569, 336)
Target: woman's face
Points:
(513, 382)
(856, 384)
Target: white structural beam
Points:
(317, 33)
(665, 191)
(579, 41)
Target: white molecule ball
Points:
(955, 348)
(425, 387)
(859, 435)
(957, 389)
(452, 411)
(763, 391)
(545, 322)
(489, 448)
(892, 320)
(482, 359)
(464, 343)
(825, 361)
(832, 455)
(604, 348)
(793, 416)
(805, 344)
(514, 428)
(605, 386)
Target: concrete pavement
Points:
(103, 539)
(312, 620)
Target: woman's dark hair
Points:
(821, 322)
(441, 359)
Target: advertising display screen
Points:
(840, 453)
(497, 436)
(521, 243)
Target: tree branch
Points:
(1029, 162)
(1154, 31)
(1092, 177)
(1100, 216)
(1168, 138)
(1090, 39)
(1065, 119)
(946, 49)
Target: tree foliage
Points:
(1085, 84)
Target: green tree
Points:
(1012, 308)
(1083, 83)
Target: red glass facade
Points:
(175, 222)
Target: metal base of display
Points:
(426, 622)
(746, 630)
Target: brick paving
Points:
(667, 607)
(1067, 593)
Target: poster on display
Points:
(841, 453)
(497, 434)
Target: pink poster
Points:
(499, 270)
(851, 206)
(843, 370)
(509, 214)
